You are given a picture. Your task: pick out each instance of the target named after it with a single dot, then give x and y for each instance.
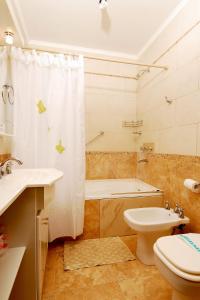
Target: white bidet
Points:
(150, 223)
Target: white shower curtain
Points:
(3, 78)
(49, 129)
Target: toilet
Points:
(178, 260)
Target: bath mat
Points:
(95, 252)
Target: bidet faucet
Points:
(177, 209)
(7, 163)
(167, 206)
(181, 213)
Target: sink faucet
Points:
(7, 163)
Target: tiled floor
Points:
(122, 281)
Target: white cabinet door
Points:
(42, 247)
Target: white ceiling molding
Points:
(18, 21)
(20, 24)
(172, 16)
(79, 50)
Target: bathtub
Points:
(106, 201)
(118, 188)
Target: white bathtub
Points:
(118, 188)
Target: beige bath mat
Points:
(95, 252)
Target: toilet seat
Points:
(180, 253)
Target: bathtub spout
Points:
(142, 161)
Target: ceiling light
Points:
(103, 4)
(9, 37)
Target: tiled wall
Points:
(108, 165)
(174, 128)
(109, 101)
(167, 172)
(4, 157)
(5, 147)
(104, 218)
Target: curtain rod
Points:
(138, 76)
(126, 62)
(112, 75)
(102, 59)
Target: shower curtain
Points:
(49, 129)
(3, 77)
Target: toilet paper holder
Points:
(192, 185)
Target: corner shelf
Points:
(10, 262)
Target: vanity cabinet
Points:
(24, 215)
(42, 247)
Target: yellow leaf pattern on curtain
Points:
(60, 148)
(41, 107)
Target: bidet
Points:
(150, 224)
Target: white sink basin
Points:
(12, 185)
(151, 223)
(153, 219)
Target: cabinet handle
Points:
(45, 219)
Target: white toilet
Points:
(178, 260)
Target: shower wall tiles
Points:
(175, 127)
(109, 101)
(110, 165)
(5, 147)
(167, 172)
(4, 157)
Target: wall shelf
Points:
(9, 266)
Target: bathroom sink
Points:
(12, 185)
(153, 219)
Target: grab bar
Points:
(94, 138)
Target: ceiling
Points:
(124, 29)
(6, 23)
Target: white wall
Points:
(175, 128)
(109, 101)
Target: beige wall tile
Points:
(187, 109)
(5, 145)
(111, 214)
(108, 165)
(91, 220)
(4, 156)
(168, 172)
(178, 140)
(198, 140)
(109, 101)
(176, 123)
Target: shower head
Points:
(103, 4)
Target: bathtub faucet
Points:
(144, 160)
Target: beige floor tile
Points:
(147, 286)
(130, 242)
(101, 292)
(128, 281)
